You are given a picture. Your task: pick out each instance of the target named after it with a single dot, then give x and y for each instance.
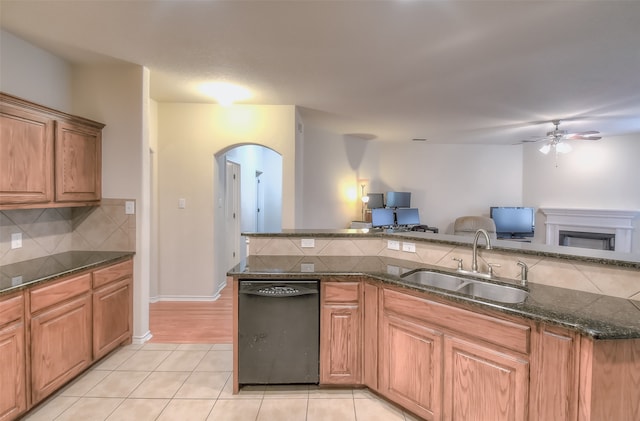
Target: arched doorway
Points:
(251, 177)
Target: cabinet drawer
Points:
(112, 273)
(341, 292)
(47, 295)
(500, 332)
(11, 309)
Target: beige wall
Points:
(189, 137)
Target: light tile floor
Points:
(169, 382)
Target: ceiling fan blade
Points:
(583, 137)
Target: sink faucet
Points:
(474, 259)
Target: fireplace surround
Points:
(613, 227)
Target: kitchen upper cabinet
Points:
(78, 152)
(48, 158)
(26, 156)
(340, 330)
(112, 307)
(60, 333)
(12, 357)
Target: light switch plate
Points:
(182, 203)
(393, 245)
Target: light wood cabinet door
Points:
(26, 157)
(482, 383)
(340, 321)
(370, 336)
(411, 366)
(78, 168)
(13, 397)
(111, 316)
(60, 345)
(555, 365)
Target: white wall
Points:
(446, 181)
(189, 137)
(602, 174)
(32, 73)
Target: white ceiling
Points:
(450, 71)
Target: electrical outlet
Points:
(393, 245)
(16, 240)
(182, 203)
(307, 243)
(129, 207)
(393, 270)
(307, 267)
(409, 247)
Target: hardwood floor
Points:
(182, 322)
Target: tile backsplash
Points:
(56, 230)
(572, 274)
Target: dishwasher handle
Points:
(278, 291)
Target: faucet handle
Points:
(491, 266)
(459, 262)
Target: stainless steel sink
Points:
(494, 292)
(471, 287)
(435, 279)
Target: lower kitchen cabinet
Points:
(411, 366)
(554, 374)
(340, 320)
(13, 396)
(60, 335)
(447, 363)
(112, 307)
(482, 383)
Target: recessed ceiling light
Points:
(225, 93)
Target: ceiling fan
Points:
(555, 139)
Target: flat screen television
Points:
(407, 216)
(398, 199)
(382, 217)
(513, 222)
(376, 200)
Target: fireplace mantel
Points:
(618, 222)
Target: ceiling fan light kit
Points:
(556, 139)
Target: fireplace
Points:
(587, 240)
(590, 228)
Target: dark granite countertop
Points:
(607, 257)
(16, 276)
(598, 316)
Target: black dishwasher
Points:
(278, 331)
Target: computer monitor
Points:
(382, 217)
(376, 200)
(513, 222)
(407, 216)
(398, 199)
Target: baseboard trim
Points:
(139, 340)
(184, 298)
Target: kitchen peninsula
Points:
(561, 354)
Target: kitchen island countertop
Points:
(595, 315)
